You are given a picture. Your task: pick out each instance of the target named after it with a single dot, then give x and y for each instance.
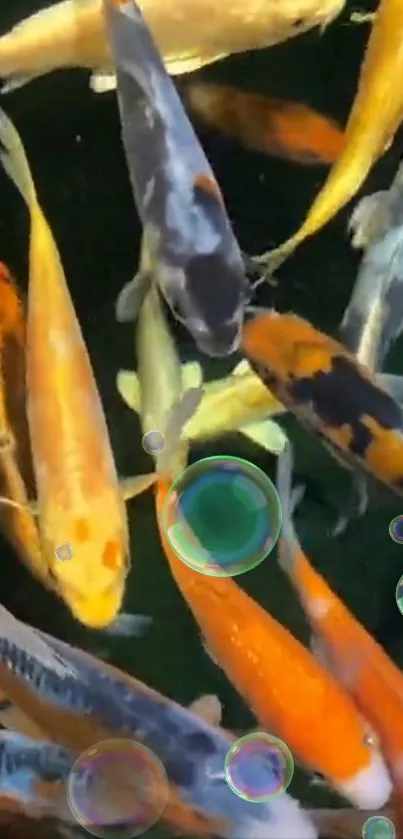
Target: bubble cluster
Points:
(396, 529)
(378, 827)
(153, 442)
(399, 595)
(259, 767)
(117, 789)
(64, 551)
(222, 516)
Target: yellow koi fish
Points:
(81, 512)
(374, 119)
(72, 33)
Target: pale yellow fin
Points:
(30, 507)
(130, 487)
(192, 374)
(189, 64)
(267, 434)
(102, 81)
(208, 708)
(128, 386)
(242, 368)
(14, 160)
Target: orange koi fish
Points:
(374, 119)
(267, 124)
(269, 668)
(358, 661)
(16, 475)
(81, 512)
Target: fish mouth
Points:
(221, 343)
(96, 611)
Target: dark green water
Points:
(72, 140)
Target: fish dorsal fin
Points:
(128, 385)
(177, 419)
(192, 375)
(242, 368)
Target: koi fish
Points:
(239, 403)
(358, 661)
(97, 702)
(331, 393)
(373, 319)
(80, 503)
(268, 667)
(374, 119)
(192, 252)
(16, 475)
(163, 379)
(267, 124)
(73, 33)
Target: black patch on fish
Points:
(343, 396)
(199, 742)
(181, 771)
(5, 705)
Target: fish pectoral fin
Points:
(131, 297)
(392, 384)
(128, 385)
(103, 81)
(356, 503)
(130, 487)
(30, 506)
(182, 64)
(15, 81)
(208, 708)
(267, 434)
(177, 419)
(192, 375)
(242, 368)
(127, 626)
(368, 218)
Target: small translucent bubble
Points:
(378, 827)
(396, 529)
(117, 789)
(259, 767)
(399, 595)
(64, 551)
(222, 516)
(153, 442)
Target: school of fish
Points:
(337, 703)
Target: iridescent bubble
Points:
(117, 789)
(259, 767)
(399, 595)
(222, 516)
(378, 827)
(153, 442)
(396, 529)
(64, 551)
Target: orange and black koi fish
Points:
(317, 379)
(267, 124)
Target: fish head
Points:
(90, 570)
(212, 303)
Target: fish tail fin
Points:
(14, 160)
(289, 499)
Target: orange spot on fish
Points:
(81, 530)
(206, 183)
(111, 555)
